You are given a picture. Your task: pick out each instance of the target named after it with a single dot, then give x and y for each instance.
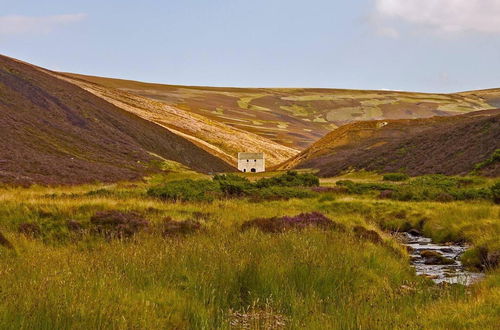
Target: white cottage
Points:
(251, 162)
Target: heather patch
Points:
(169, 227)
(300, 221)
(117, 224)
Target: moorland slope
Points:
(217, 138)
(447, 145)
(54, 132)
(297, 117)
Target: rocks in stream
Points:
(414, 232)
(438, 262)
(435, 258)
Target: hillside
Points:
(215, 137)
(448, 145)
(53, 132)
(297, 117)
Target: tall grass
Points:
(223, 275)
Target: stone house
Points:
(251, 162)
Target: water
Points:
(439, 273)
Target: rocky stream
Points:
(439, 262)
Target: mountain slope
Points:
(448, 145)
(217, 138)
(53, 132)
(297, 117)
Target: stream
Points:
(441, 263)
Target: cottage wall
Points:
(251, 162)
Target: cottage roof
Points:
(250, 155)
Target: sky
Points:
(413, 45)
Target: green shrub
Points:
(395, 177)
(361, 188)
(233, 185)
(187, 190)
(289, 179)
(495, 192)
(278, 193)
(495, 157)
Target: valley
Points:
(121, 206)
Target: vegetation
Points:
(494, 158)
(439, 188)
(293, 117)
(396, 177)
(284, 186)
(307, 263)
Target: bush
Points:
(30, 229)
(179, 228)
(367, 234)
(495, 157)
(495, 192)
(74, 226)
(278, 193)
(300, 221)
(361, 188)
(233, 185)
(187, 190)
(289, 179)
(395, 177)
(116, 224)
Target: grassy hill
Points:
(217, 138)
(54, 132)
(448, 145)
(297, 117)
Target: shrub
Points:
(30, 229)
(187, 190)
(74, 225)
(337, 190)
(395, 177)
(300, 221)
(361, 188)
(117, 224)
(289, 179)
(367, 234)
(385, 194)
(171, 227)
(278, 193)
(495, 157)
(495, 192)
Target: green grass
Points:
(222, 275)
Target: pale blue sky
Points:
(418, 45)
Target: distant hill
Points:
(219, 139)
(54, 132)
(297, 117)
(447, 145)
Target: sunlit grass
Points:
(306, 279)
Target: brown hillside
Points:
(217, 138)
(448, 145)
(53, 132)
(297, 117)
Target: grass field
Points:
(224, 277)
